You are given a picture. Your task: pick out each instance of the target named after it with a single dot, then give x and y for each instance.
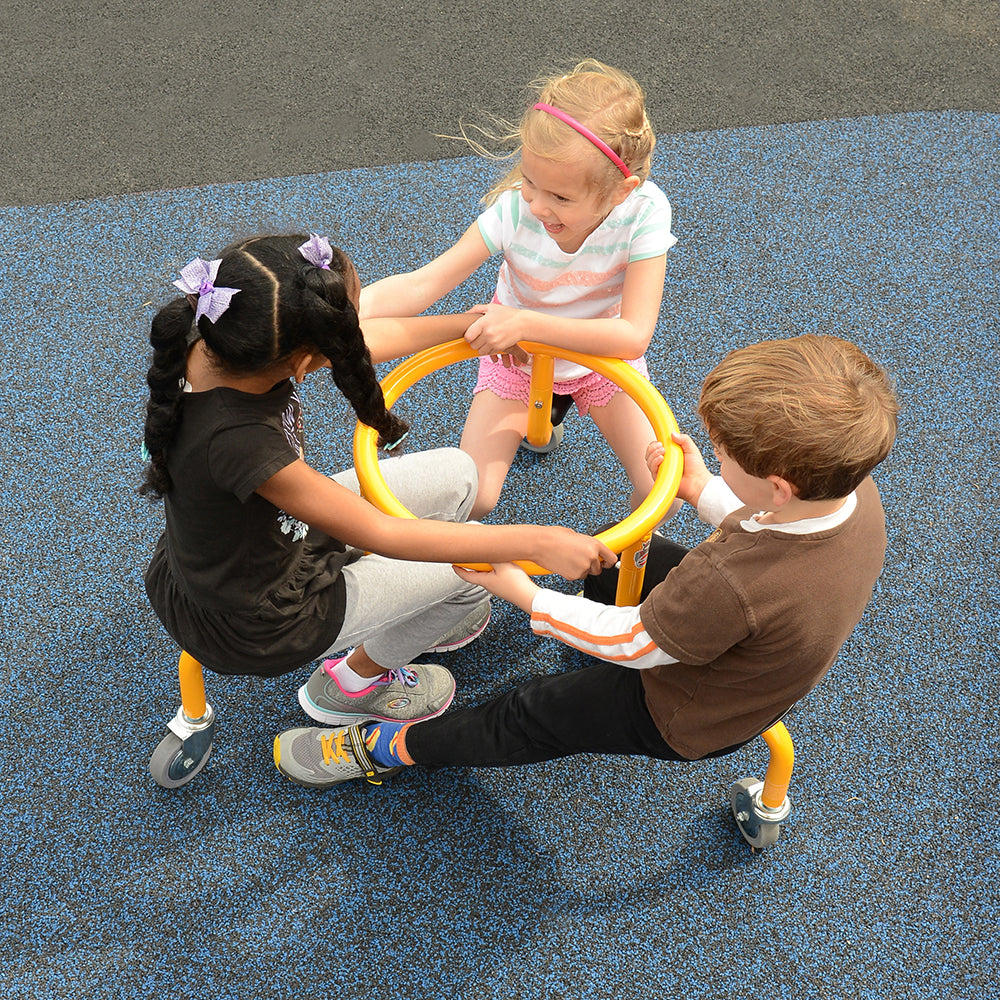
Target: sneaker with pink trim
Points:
(407, 694)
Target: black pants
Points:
(598, 709)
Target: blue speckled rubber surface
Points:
(585, 878)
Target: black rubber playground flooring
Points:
(830, 171)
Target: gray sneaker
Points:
(322, 758)
(407, 694)
(466, 631)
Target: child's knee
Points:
(457, 469)
(457, 464)
(487, 497)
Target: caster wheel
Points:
(756, 832)
(171, 766)
(557, 435)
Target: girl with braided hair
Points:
(266, 564)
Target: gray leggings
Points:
(399, 609)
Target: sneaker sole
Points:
(355, 718)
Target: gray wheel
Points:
(546, 449)
(171, 767)
(756, 833)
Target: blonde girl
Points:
(584, 235)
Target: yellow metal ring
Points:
(638, 524)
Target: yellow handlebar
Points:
(634, 528)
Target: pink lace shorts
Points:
(588, 390)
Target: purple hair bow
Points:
(317, 251)
(198, 278)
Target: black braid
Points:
(342, 341)
(168, 336)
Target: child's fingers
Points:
(607, 559)
(478, 338)
(476, 576)
(654, 456)
(472, 333)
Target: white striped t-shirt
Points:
(587, 284)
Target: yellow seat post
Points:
(631, 572)
(539, 429)
(779, 767)
(192, 687)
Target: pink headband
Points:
(587, 134)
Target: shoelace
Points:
(400, 674)
(333, 746)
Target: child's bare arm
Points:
(410, 293)
(392, 337)
(313, 498)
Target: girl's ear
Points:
(302, 364)
(623, 190)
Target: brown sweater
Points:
(755, 620)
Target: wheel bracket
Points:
(196, 736)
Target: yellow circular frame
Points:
(636, 526)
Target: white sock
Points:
(348, 678)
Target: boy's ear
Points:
(784, 491)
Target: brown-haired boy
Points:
(730, 634)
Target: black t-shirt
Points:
(238, 583)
